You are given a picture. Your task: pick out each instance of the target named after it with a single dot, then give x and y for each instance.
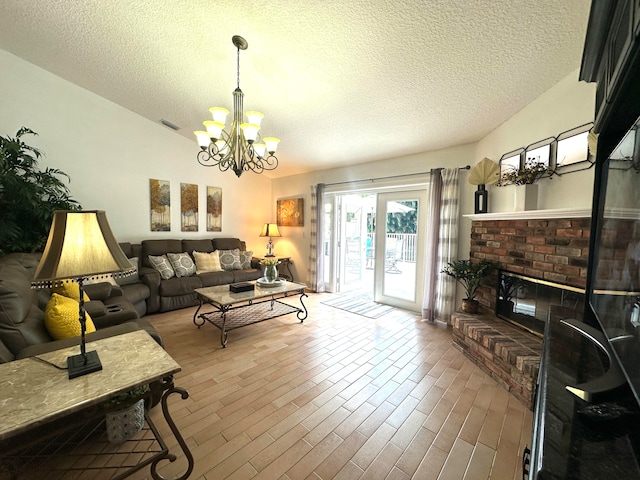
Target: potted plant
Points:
(28, 196)
(525, 178)
(530, 173)
(506, 290)
(125, 414)
(470, 276)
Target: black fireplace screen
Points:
(527, 301)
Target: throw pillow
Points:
(207, 262)
(230, 259)
(162, 265)
(133, 278)
(182, 264)
(61, 318)
(245, 259)
(70, 290)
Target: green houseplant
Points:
(28, 195)
(470, 276)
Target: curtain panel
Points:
(316, 256)
(442, 245)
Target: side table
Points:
(285, 262)
(52, 425)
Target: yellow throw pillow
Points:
(61, 318)
(207, 262)
(70, 290)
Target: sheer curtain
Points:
(442, 245)
(316, 256)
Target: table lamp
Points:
(270, 230)
(80, 246)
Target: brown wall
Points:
(556, 250)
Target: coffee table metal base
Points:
(230, 317)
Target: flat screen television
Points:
(614, 272)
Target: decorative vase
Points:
(526, 197)
(124, 424)
(481, 199)
(271, 273)
(470, 306)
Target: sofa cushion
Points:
(246, 275)
(61, 318)
(159, 247)
(177, 286)
(207, 262)
(197, 245)
(211, 279)
(230, 259)
(136, 292)
(182, 264)
(162, 265)
(228, 244)
(21, 319)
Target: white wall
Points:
(111, 153)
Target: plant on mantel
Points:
(532, 171)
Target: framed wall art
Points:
(160, 205)
(214, 209)
(189, 207)
(290, 212)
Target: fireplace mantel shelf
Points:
(532, 214)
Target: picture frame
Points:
(160, 205)
(290, 212)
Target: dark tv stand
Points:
(612, 379)
(573, 438)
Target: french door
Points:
(399, 249)
(374, 244)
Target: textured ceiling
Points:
(339, 81)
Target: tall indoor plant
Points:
(470, 276)
(28, 195)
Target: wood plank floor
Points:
(340, 396)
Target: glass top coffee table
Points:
(235, 310)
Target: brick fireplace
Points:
(554, 249)
(550, 245)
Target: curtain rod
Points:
(467, 167)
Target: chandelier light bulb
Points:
(272, 143)
(219, 114)
(203, 138)
(260, 149)
(214, 129)
(254, 117)
(250, 131)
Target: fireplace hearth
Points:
(529, 302)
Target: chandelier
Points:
(238, 149)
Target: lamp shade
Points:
(80, 244)
(270, 230)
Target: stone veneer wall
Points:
(556, 250)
